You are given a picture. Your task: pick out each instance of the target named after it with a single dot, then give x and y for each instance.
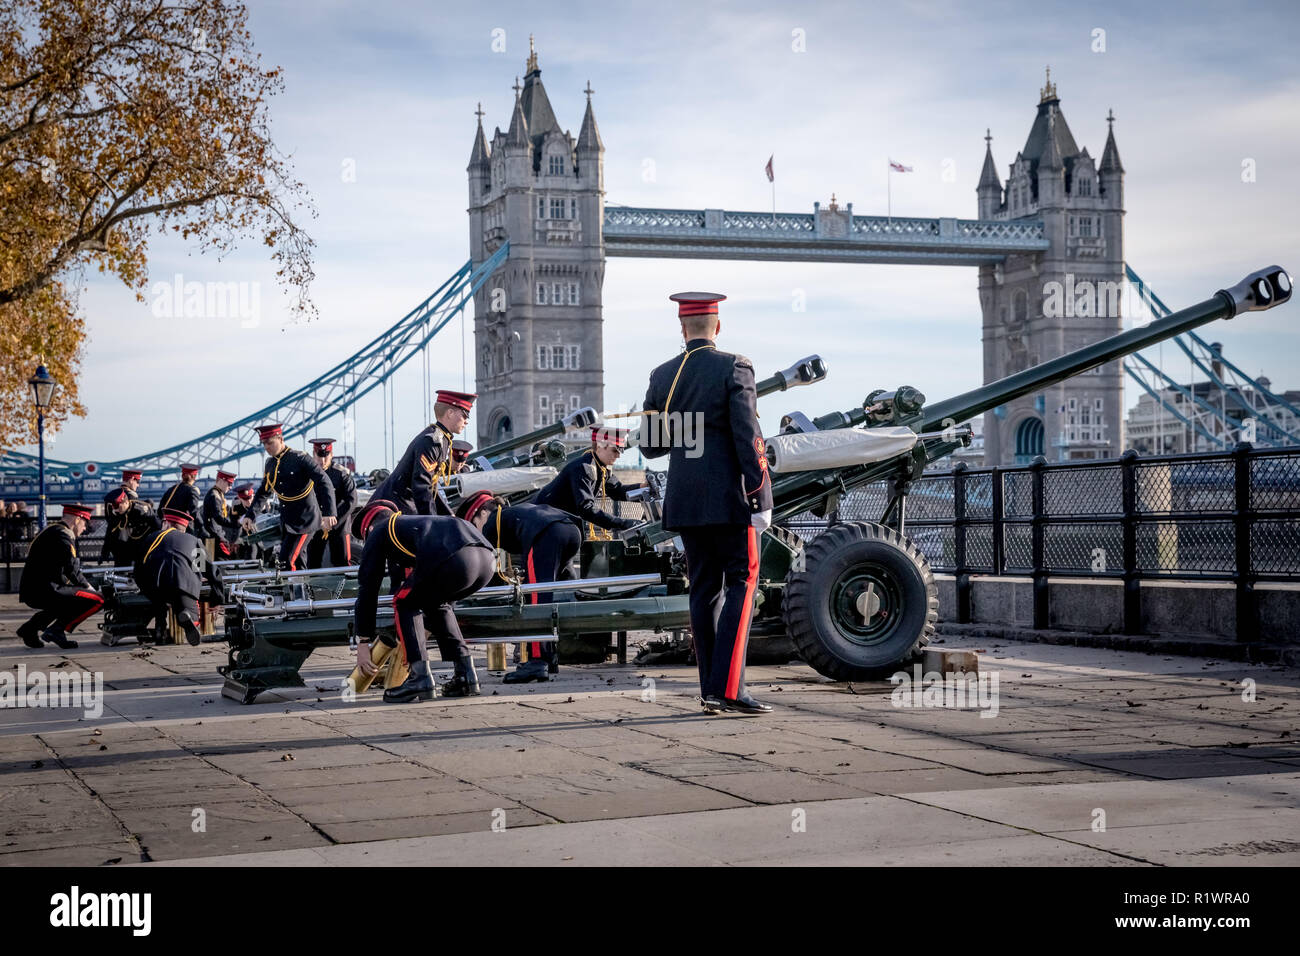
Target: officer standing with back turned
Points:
(720, 500)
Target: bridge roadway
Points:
(825, 235)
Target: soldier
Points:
(53, 585)
(130, 482)
(446, 560)
(415, 482)
(719, 500)
(219, 525)
(170, 575)
(305, 492)
(130, 520)
(184, 496)
(460, 450)
(581, 484)
(345, 499)
(548, 540)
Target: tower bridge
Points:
(538, 320)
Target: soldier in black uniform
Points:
(583, 482)
(219, 523)
(242, 508)
(184, 496)
(445, 560)
(548, 540)
(339, 540)
(305, 492)
(129, 521)
(170, 575)
(53, 584)
(130, 482)
(415, 483)
(460, 450)
(719, 498)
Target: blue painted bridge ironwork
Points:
(825, 235)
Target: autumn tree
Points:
(120, 120)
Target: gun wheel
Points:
(864, 603)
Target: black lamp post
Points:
(42, 394)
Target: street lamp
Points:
(42, 395)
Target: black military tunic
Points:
(240, 511)
(170, 574)
(219, 521)
(446, 560)
(183, 497)
(126, 532)
(53, 584)
(415, 483)
(306, 495)
(711, 498)
(547, 540)
(578, 489)
(339, 540)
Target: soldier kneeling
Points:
(443, 560)
(170, 575)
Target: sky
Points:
(703, 94)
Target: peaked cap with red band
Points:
(323, 446)
(181, 518)
(245, 491)
(117, 496)
(697, 303)
(269, 431)
(462, 400)
(615, 436)
(189, 470)
(226, 475)
(477, 504)
(374, 509)
(76, 511)
(130, 473)
(460, 449)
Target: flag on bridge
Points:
(771, 177)
(899, 167)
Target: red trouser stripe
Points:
(347, 547)
(535, 648)
(293, 560)
(397, 616)
(89, 596)
(742, 630)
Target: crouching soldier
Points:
(444, 560)
(170, 575)
(130, 521)
(53, 584)
(584, 482)
(548, 539)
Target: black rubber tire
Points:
(817, 601)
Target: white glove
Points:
(761, 520)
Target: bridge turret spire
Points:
(1110, 156)
(479, 155)
(589, 136)
(989, 191)
(517, 135)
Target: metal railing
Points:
(1208, 517)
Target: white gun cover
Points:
(504, 481)
(837, 448)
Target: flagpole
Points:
(774, 200)
(889, 191)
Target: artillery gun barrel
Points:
(1258, 291)
(309, 606)
(582, 418)
(255, 576)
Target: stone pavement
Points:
(615, 764)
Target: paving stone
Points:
(231, 827)
(357, 802)
(844, 761)
(88, 850)
(777, 786)
(399, 828)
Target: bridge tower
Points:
(537, 321)
(1041, 305)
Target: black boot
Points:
(191, 630)
(417, 686)
(29, 635)
(535, 669)
(59, 639)
(464, 683)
